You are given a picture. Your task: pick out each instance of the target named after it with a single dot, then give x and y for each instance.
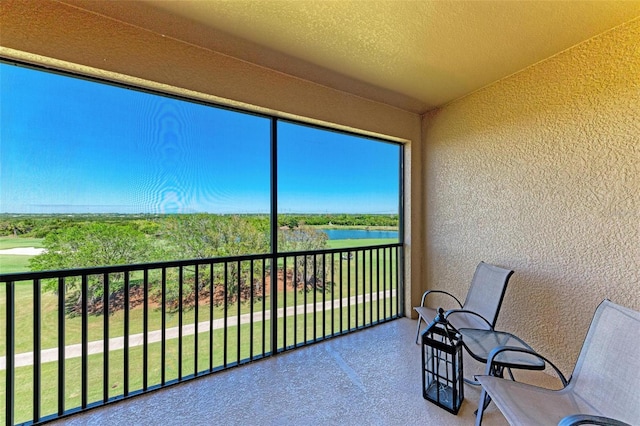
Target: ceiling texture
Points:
(414, 55)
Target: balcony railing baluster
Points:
(126, 333)
(294, 284)
(264, 307)
(226, 316)
(196, 284)
(357, 279)
(85, 341)
(10, 351)
(211, 285)
(37, 364)
(105, 339)
(324, 299)
(355, 287)
(284, 302)
(163, 329)
(304, 290)
(251, 303)
(145, 331)
(61, 347)
(180, 296)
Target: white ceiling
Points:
(415, 55)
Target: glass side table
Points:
(480, 343)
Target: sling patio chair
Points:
(482, 305)
(603, 389)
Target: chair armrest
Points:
(586, 419)
(465, 311)
(428, 292)
(500, 349)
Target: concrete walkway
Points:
(117, 343)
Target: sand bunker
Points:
(23, 251)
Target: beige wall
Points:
(50, 33)
(540, 172)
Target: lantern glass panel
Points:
(442, 375)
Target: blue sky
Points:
(72, 146)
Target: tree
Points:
(306, 238)
(201, 236)
(88, 245)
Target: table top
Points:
(480, 343)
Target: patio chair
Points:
(480, 308)
(603, 389)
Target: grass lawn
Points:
(362, 242)
(10, 263)
(13, 242)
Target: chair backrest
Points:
(487, 291)
(606, 377)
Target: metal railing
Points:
(79, 339)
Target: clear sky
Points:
(73, 146)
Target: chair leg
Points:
(418, 329)
(482, 404)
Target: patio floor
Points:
(371, 377)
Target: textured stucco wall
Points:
(540, 172)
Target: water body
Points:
(358, 234)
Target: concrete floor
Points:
(371, 377)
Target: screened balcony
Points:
(518, 119)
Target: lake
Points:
(358, 234)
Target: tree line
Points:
(40, 225)
(84, 242)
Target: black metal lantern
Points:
(442, 376)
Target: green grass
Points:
(10, 263)
(339, 244)
(13, 242)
